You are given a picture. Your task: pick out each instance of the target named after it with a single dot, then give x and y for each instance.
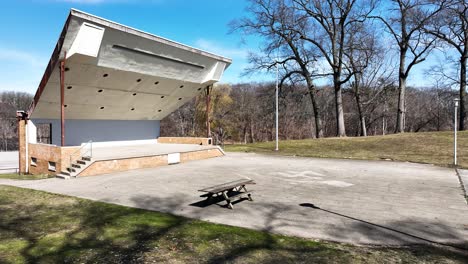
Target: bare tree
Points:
(405, 23)
(361, 51)
(329, 22)
(277, 23)
(451, 26)
(11, 101)
(372, 71)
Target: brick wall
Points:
(44, 153)
(22, 145)
(185, 140)
(109, 166)
(202, 154)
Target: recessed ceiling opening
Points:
(134, 94)
(181, 86)
(162, 96)
(69, 87)
(105, 75)
(102, 107)
(139, 80)
(100, 91)
(156, 83)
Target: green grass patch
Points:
(39, 227)
(17, 176)
(429, 147)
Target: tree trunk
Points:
(340, 124)
(252, 138)
(362, 119)
(245, 133)
(463, 63)
(318, 119)
(400, 123)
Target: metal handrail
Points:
(82, 154)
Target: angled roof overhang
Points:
(114, 72)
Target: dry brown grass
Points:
(430, 147)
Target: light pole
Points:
(456, 100)
(276, 117)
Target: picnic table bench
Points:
(229, 191)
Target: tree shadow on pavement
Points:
(48, 228)
(406, 231)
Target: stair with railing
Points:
(78, 161)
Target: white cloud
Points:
(14, 55)
(20, 70)
(218, 49)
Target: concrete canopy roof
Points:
(114, 72)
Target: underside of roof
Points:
(113, 72)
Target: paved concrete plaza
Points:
(363, 202)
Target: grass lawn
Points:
(39, 227)
(16, 176)
(429, 147)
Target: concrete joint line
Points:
(463, 185)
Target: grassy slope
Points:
(16, 176)
(39, 227)
(430, 147)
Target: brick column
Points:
(22, 145)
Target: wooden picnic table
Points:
(230, 191)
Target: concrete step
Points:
(75, 168)
(63, 176)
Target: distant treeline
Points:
(246, 112)
(10, 102)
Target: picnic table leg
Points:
(248, 195)
(229, 204)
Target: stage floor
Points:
(143, 150)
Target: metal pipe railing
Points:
(81, 153)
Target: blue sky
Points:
(30, 30)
